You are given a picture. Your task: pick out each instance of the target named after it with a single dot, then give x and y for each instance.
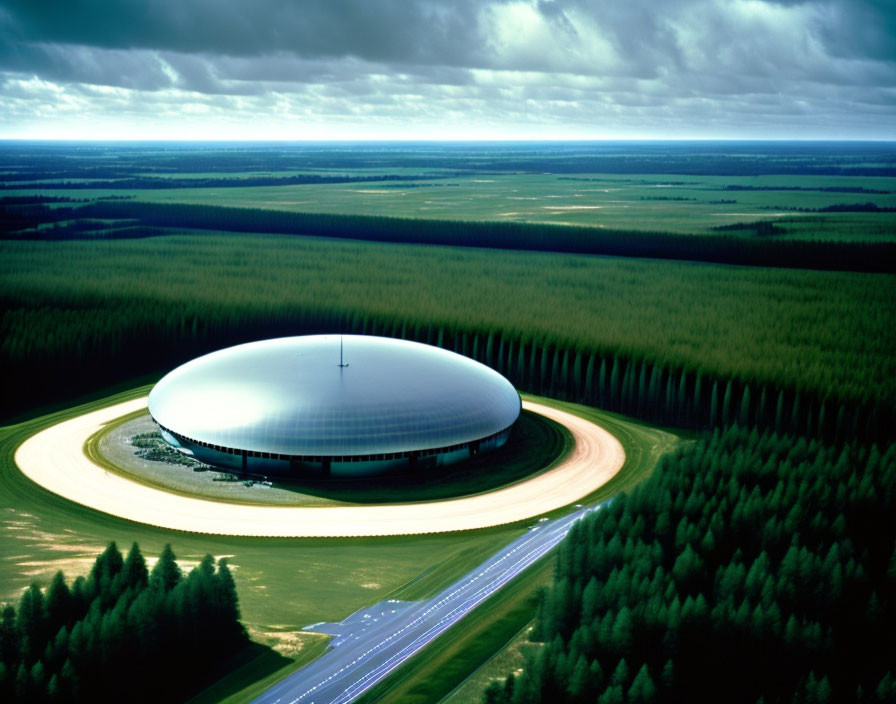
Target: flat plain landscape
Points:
(722, 302)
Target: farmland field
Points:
(810, 193)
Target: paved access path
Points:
(373, 642)
(54, 458)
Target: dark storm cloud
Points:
(649, 38)
(499, 61)
(380, 30)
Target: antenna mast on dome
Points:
(341, 363)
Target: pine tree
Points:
(727, 417)
(886, 688)
(641, 392)
(620, 676)
(589, 395)
(165, 574)
(544, 381)
(31, 625)
(623, 633)
(10, 647)
(58, 603)
(590, 601)
(69, 682)
(102, 576)
(614, 391)
(762, 411)
(669, 404)
(744, 416)
(643, 690)
(579, 686)
(23, 689)
(229, 614)
(795, 417)
(134, 570)
(668, 677)
(652, 407)
(779, 413)
(612, 695)
(38, 681)
(682, 416)
(532, 376)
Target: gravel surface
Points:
(199, 480)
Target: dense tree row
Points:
(805, 352)
(818, 189)
(760, 228)
(153, 182)
(59, 161)
(537, 237)
(108, 636)
(868, 207)
(749, 568)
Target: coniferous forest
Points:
(101, 638)
(751, 567)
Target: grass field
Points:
(284, 584)
(682, 188)
(653, 202)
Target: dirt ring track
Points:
(54, 458)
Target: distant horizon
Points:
(483, 141)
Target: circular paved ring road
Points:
(54, 458)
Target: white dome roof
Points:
(290, 396)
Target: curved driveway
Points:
(54, 458)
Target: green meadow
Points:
(649, 202)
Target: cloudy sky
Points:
(449, 69)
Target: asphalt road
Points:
(373, 642)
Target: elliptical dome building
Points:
(329, 404)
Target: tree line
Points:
(750, 567)
(731, 158)
(800, 352)
(123, 633)
(537, 237)
(103, 219)
(158, 182)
